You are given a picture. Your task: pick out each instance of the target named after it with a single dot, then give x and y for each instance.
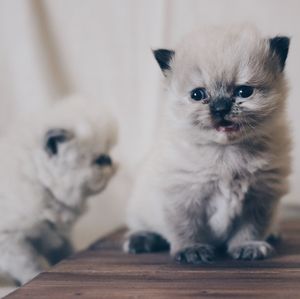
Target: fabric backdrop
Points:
(103, 49)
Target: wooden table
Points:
(103, 271)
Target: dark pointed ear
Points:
(163, 57)
(53, 138)
(280, 46)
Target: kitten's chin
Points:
(227, 134)
(227, 127)
(224, 137)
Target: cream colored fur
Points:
(200, 188)
(41, 195)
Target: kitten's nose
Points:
(220, 107)
(103, 160)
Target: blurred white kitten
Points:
(49, 165)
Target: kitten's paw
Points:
(145, 242)
(197, 254)
(254, 250)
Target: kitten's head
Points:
(74, 160)
(226, 83)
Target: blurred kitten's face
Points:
(225, 83)
(76, 167)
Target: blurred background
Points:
(102, 49)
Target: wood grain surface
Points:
(104, 271)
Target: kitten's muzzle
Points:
(220, 107)
(220, 110)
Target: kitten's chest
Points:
(214, 194)
(225, 203)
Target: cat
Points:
(215, 176)
(50, 163)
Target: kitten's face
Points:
(76, 166)
(225, 83)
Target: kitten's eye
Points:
(243, 91)
(198, 94)
(103, 160)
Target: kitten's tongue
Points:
(227, 126)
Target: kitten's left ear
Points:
(280, 46)
(53, 138)
(164, 57)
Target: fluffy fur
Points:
(49, 165)
(204, 186)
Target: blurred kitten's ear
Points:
(164, 57)
(280, 46)
(53, 138)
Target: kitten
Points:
(49, 165)
(215, 177)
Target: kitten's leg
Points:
(53, 252)
(143, 217)
(189, 241)
(260, 215)
(145, 242)
(245, 245)
(149, 219)
(51, 244)
(57, 254)
(248, 242)
(18, 259)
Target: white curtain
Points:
(102, 48)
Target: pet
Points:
(49, 164)
(220, 167)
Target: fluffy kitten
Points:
(49, 165)
(216, 175)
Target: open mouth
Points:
(227, 126)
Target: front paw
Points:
(253, 250)
(145, 242)
(196, 254)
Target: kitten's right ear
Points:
(53, 138)
(164, 57)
